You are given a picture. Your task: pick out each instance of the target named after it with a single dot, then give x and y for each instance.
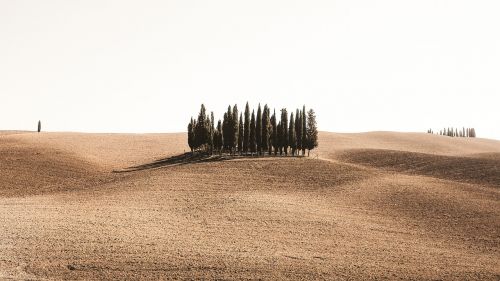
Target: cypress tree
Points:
(216, 140)
(280, 138)
(246, 132)
(253, 137)
(191, 138)
(225, 131)
(304, 131)
(258, 130)
(298, 129)
(230, 129)
(39, 126)
(274, 135)
(265, 129)
(284, 128)
(292, 137)
(211, 133)
(312, 131)
(240, 135)
(235, 128)
(220, 139)
(202, 132)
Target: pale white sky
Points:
(146, 66)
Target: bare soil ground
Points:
(364, 206)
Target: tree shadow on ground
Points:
(177, 160)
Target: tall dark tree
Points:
(240, 135)
(280, 137)
(266, 126)
(312, 131)
(235, 128)
(220, 137)
(191, 137)
(253, 135)
(292, 137)
(246, 132)
(225, 131)
(39, 126)
(258, 130)
(274, 135)
(211, 133)
(202, 129)
(230, 129)
(304, 131)
(284, 128)
(298, 129)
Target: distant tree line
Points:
(254, 133)
(454, 132)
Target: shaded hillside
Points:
(28, 170)
(456, 168)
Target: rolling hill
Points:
(378, 205)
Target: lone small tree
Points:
(312, 131)
(39, 126)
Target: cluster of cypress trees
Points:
(254, 133)
(454, 132)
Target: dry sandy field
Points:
(377, 205)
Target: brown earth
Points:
(364, 206)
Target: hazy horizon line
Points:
(185, 132)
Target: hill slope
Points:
(401, 207)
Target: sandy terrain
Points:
(375, 205)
